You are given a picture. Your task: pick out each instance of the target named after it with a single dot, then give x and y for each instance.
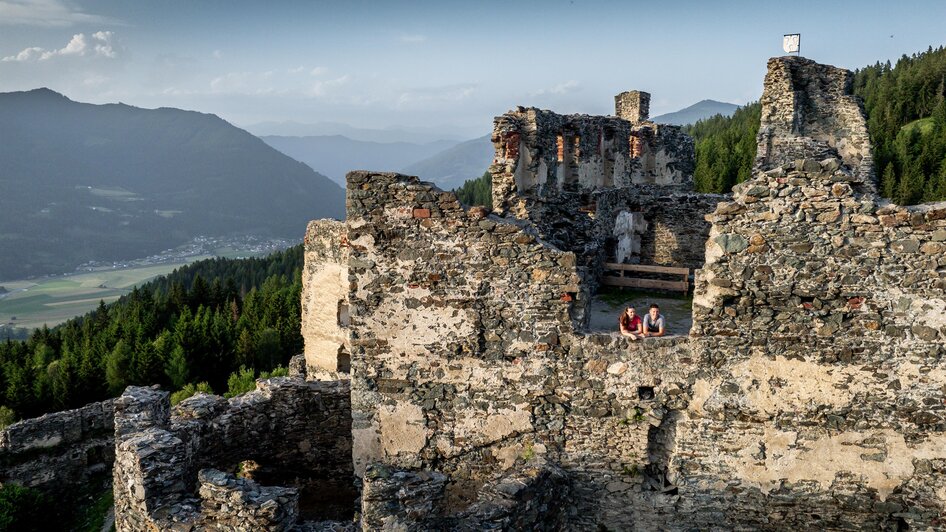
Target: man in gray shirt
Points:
(654, 322)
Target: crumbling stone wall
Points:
(540, 154)
(809, 111)
(325, 299)
(58, 452)
(676, 232)
(830, 306)
(633, 106)
(530, 497)
(808, 395)
(572, 176)
(442, 298)
(170, 469)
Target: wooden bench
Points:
(635, 282)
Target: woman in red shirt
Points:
(631, 325)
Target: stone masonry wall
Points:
(676, 232)
(822, 309)
(808, 395)
(530, 497)
(633, 106)
(58, 452)
(809, 111)
(540, 153)
(170, 469)
(443, 381)
(455, 317)
(325, 298)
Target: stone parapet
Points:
(57, 452)
(290, 429)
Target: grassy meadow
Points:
(53, 300)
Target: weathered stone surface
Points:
(325, 313)
(732, 243)
(57, 452)
(553, 153)
(286, 424)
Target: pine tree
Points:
(888, 183)
(177, 367)
(117, 368)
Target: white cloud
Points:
(99, 44)
(217, 54)
(562, 88)
(318, 71)
(321, 88)
(94, 80)
(449, 93)
(243, 83)
(298, 70)
(46, 13)
(416, 38)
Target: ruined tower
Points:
(633, 106)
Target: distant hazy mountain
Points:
(415, 135)
(695, 112)
(82, 182)
(337, 155)
(451, 167)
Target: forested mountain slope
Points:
(198, 324)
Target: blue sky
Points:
(432, 64)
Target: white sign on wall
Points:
(791, 43)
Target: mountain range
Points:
(85, 182)
(696, 112)
(412, 134)
(336, 155)
(454, 165)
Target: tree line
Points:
(477, 191)
(906, 110)
(195, 327)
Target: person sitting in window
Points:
(631, 325)
(653, 322)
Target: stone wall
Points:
(473, 366)
(325, 298)
(676, 231)
(176, 468)
(828, 306)
(809, 111)
(531, 497)
(809, 393)
(444, 301)
(58, 452)
(633, 106)
(540, 154)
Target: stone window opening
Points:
(606, 152)
(344, 320)
(343, 362)
(646, 393)
(560, 148)
(571, 155)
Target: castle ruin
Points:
(452, 378)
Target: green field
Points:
(54, 300)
